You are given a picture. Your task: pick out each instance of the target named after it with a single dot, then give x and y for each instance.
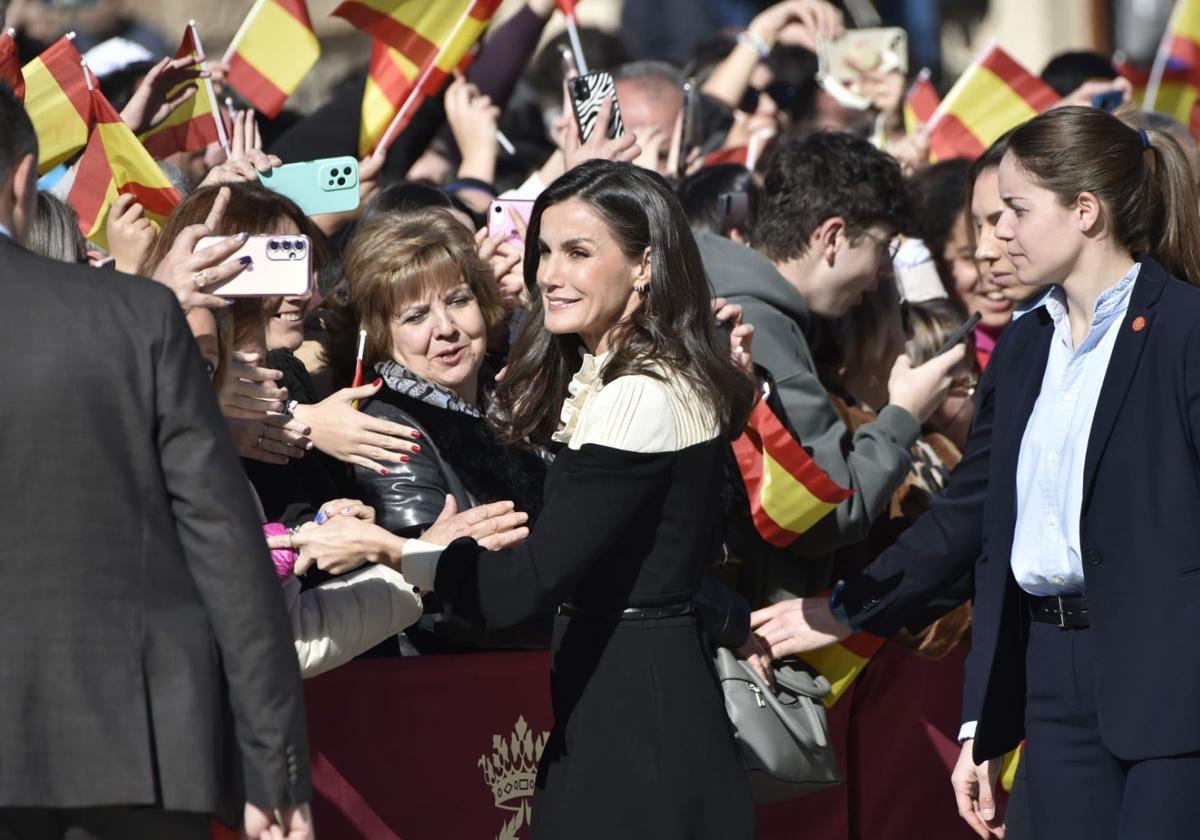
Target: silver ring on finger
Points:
(258, 443)
(200, 278)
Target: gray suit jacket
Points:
(145, 656)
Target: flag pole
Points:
(87, 74)
(1160, 60)
(576, 46)
(237, 36)
(386, 140)
(208, 86)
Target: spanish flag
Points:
(58, 102)
(1181, 42)
(788, 491)
(115, 163)
(993, 95)
(417, 46)
(10, 65)
(843, 661)
(921, 102)
(195, 123)
(271, 53)
(1178, 93)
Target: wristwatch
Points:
(838, 608)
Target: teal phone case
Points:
(329, 185)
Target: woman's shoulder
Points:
(641, 412)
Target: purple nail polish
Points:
(246, 260)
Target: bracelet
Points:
(470, 184)
(753, 39)
(290, 407)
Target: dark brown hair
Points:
(251, 209)
(1147, 191)
(672, 328)
(393, 260)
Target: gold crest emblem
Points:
(510, 772)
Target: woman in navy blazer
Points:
(1078, 493)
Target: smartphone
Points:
(280, 266)
(687, 131)
(1108, 101)
(842, 63)
(329, 185)
(500, 220)
(960, 333)
(587, 95)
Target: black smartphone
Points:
(688, 128)
(1107, 101)
(960, 333)
(587, 95)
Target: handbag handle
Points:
(816, 728)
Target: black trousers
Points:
(1078, 790)
(116, 822)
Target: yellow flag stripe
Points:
(470, 32)
(789, 503)
(1176, 99)
(1187, 20)
(128, 158)
(433, 21)
(280, 47)
(61, 132)
(987, 106)
(837, 665)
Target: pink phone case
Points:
(280, 266)
(500, 220)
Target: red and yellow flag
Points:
(271, 53)
(843, 661)
(58, 102)
(787, 489)
(1181, 42)
(116, 163)
(10, 65)
(417, 46)
(195, 123)
(993, 95)
(1178, 93)
(921, 102)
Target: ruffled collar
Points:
(581, 387)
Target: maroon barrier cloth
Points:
(399, 749)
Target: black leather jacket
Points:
(458, 457)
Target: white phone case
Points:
(280, 266)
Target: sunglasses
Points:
(782, 93)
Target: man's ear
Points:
(22, 192)
(829, 238)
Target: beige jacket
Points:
(341, 618)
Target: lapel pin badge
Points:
(1139, 324)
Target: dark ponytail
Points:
(1146, 185)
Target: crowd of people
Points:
(539, 452)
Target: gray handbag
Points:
(782, 733)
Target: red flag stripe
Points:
(415, 46)
(1185, 51)
(951, 139)
(1033, 90)
(92, 177)
(196, 133)
(256, 87)
(10, 66)
(63, 61)
(386, 73)
(862, 644)
(924, 100)
(158, 200)
(297, 9)
(778, 441)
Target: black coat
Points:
(145, 655)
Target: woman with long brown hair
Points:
(621, 367)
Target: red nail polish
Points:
(416, 449)
(383, 471)
(404, 459)
(378, 381)
(415, 434)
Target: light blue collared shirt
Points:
(1046, 557)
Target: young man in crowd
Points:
(148, 678)
(831, 206)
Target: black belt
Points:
(1065, 611)
(630, 614)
